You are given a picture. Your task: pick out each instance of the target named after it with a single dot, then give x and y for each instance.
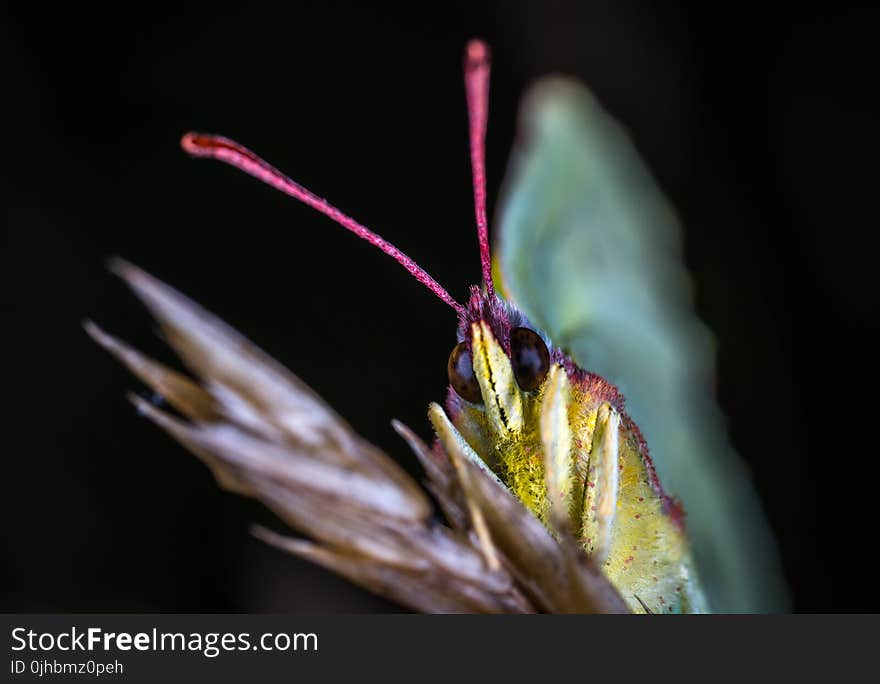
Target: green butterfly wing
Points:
(590, 250)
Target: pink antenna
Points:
(229, 151)
(476, 83)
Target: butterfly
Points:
(520, 406)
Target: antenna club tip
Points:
(476, 54)
(196, 144)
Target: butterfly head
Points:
(507, 384)
(499, 356)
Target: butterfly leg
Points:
(602, 485)
(557, 442)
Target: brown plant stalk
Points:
(265, 434)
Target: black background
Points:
(760, 126)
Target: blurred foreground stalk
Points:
(265, 434)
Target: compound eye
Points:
(461, 374)
(529, 358)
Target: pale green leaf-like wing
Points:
(590, 250)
